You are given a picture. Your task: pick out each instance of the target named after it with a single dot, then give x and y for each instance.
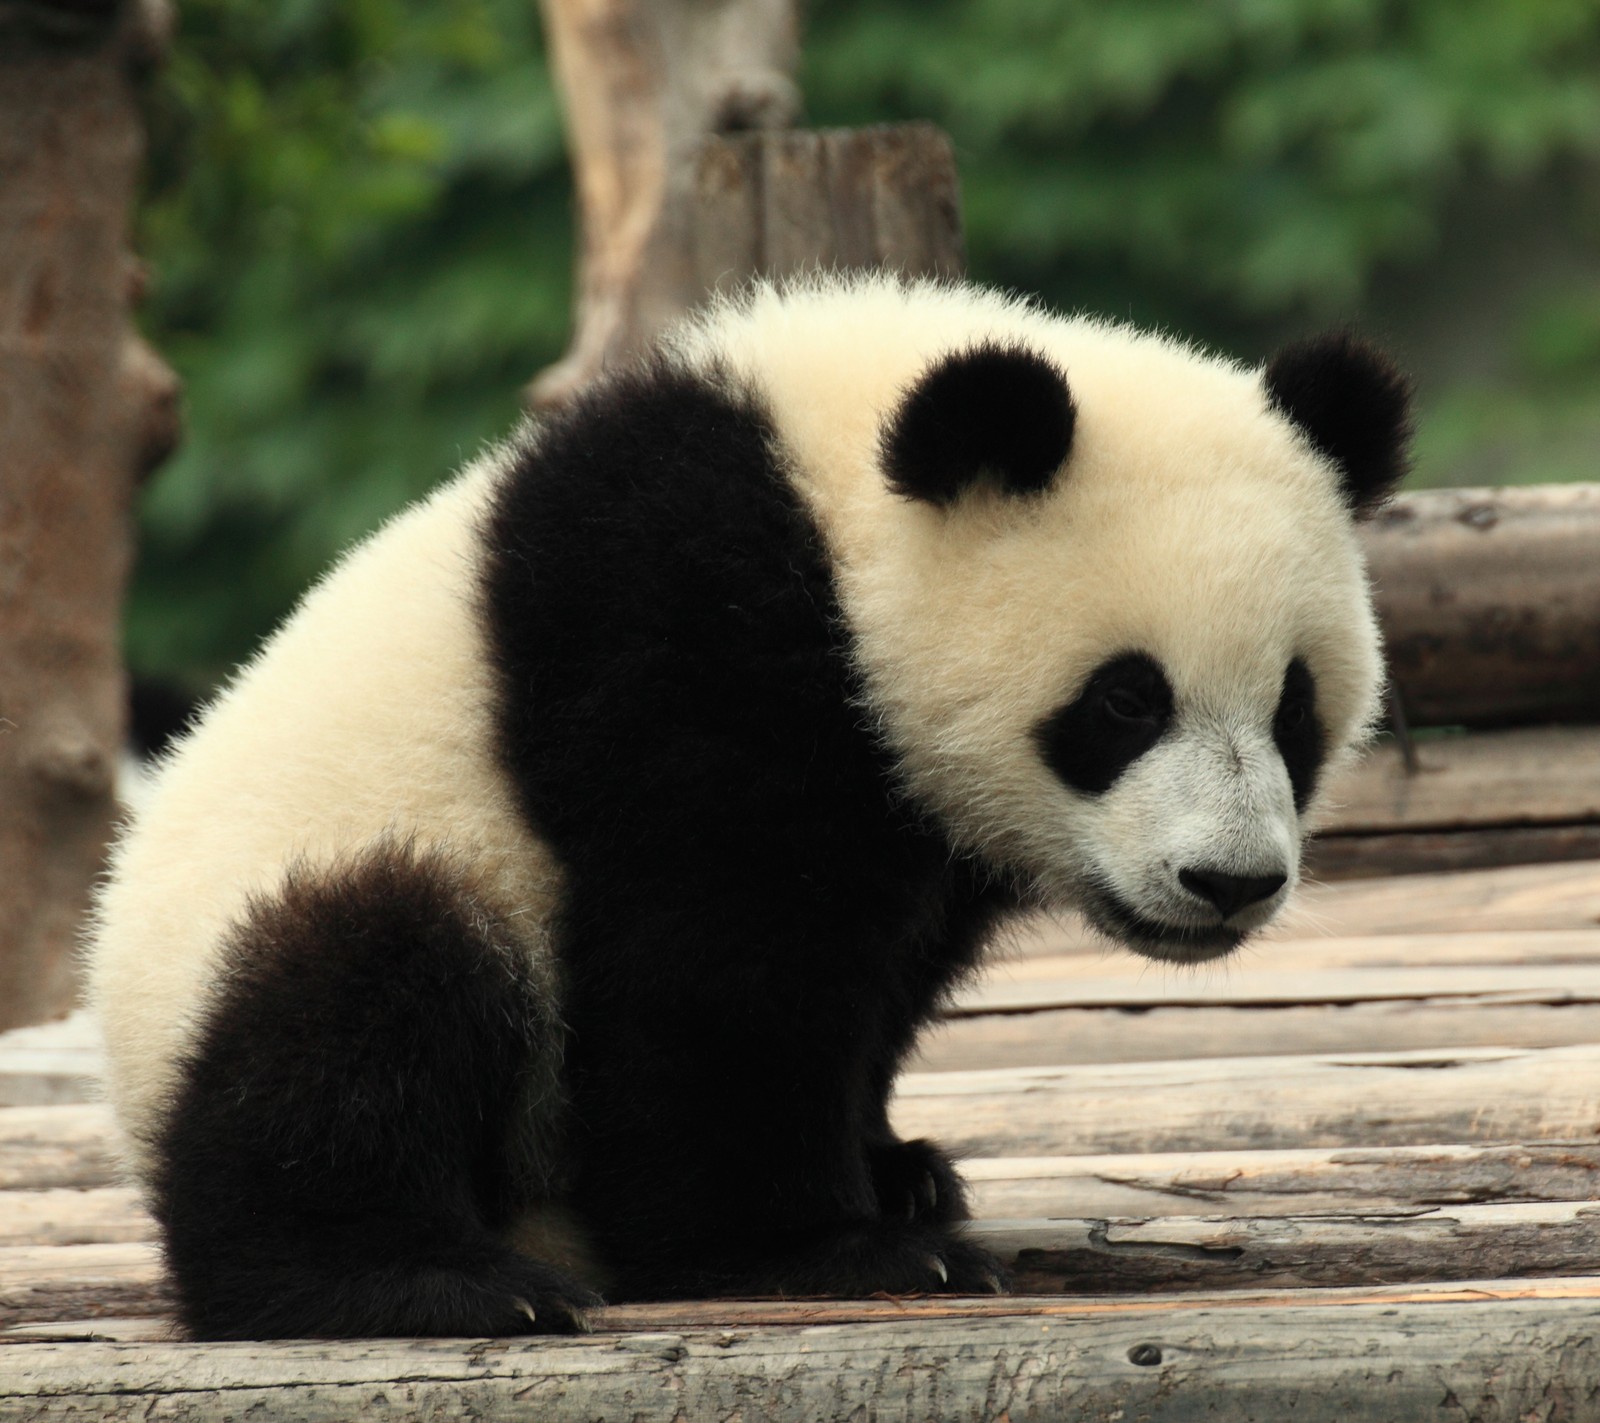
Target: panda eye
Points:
(1125, 704)
(1291, 717)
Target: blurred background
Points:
(359, 226)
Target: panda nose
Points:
(1230, 893)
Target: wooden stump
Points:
(778, 203)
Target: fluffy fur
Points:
(550, 905)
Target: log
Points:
(1107, 1035)
(107, 1216)
(1530, 775)
(1068, 959)
(1490, 603)
(43, 1148)
(724, 1315)
(1364, 856)
(1515, 897)
(1061, 1256)
(1519, 1353)
(1164, 1254)
(1292, 1182)
(45, 1282)
(49, 1063)
(1260, 1103)
(1285, 987)
(1273, 1183)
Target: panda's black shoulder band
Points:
(991, 411)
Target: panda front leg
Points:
(726, 1122)
(334, 1161)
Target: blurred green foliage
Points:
(359, 224)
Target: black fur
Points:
(998, 412)
(335, 1161)
(755, 926)
(1123, 710)
(1353, 405)
(1298, 732)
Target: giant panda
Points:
(545, 911)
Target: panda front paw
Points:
(895, 1259)
(915, 1181)
(534, 1299)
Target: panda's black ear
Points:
(994, 412)
(1354, 406)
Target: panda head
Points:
(1113, 614)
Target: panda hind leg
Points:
(334, 1162)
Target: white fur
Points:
(1190, 522)
(365, 718)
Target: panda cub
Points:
(545, 912)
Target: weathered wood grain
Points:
(1261, 1103)
(1235, 1183)
(1514, 898)
(1527, 776)
(1489, 602)
(1166, 1253)
(105, 1216)
(1272, 1183)
(1303, 1357)
(1363, 855)
(1541, 948)
(1072, 1255)
(44, 1282)
(42, 1148)
(725, 1314)
(49, 1063)
(1526, 983)
(1160, 1033)
(1563, 896)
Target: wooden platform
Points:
(1352, 1175)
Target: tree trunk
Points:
(643, 82)
(86, 409)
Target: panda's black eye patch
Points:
(1297, 732)
(1123, 710)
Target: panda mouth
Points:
(1114, 917)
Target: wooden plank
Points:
(1071, 1255)
(1260, 1103)
(1272, 1183)
(1529, 983)
(1542, 949)
(724, 1314)
(1106, 1035)
(1526, 776)
(1520, 897)
(45, 1282)
(49, 1063)
(65, 1217)
(42, 1148)
(1489, 602)
(1517, 898)
(1264, 1102)
(1172, 1253)
(1486, 1354)
(1363, 856)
